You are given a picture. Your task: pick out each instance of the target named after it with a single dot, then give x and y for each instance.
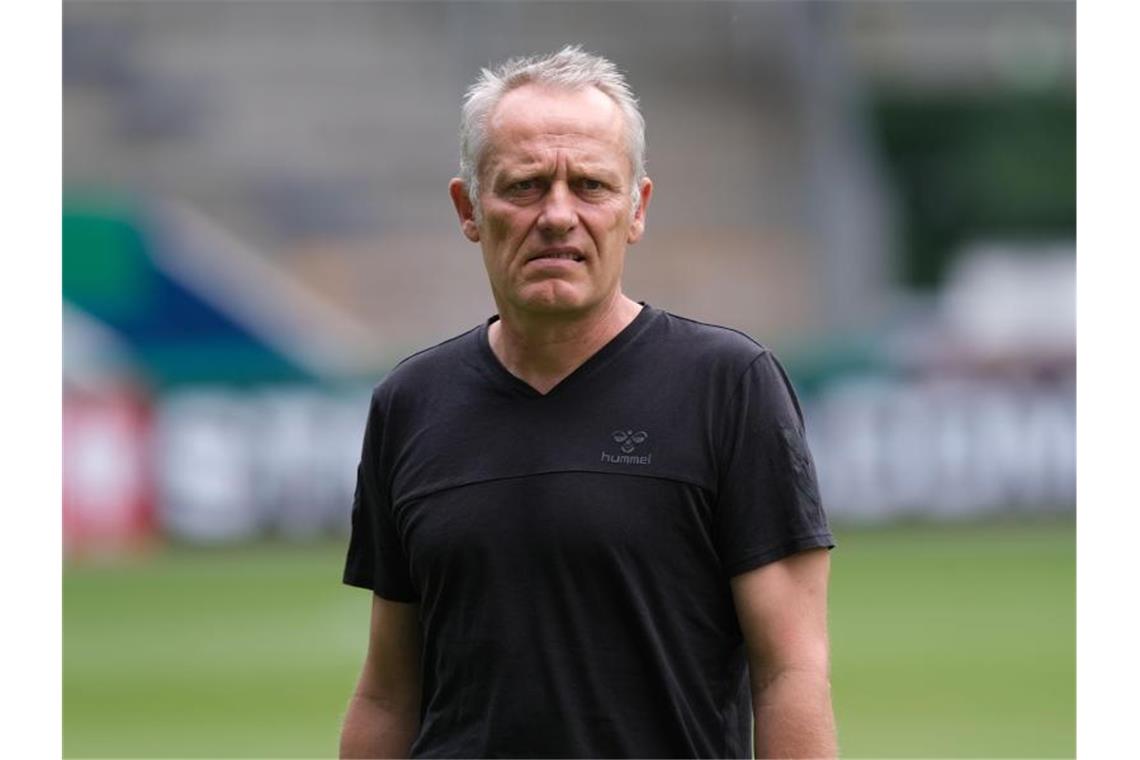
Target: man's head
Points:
(552, 181)
(569, 69)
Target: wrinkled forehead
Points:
(532, 118)
(537, 105)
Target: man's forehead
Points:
(584, 125)
(521, 159)
(515, 158)
(537, 108)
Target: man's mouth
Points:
(569, 254)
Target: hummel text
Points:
(626, 459)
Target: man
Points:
(591, 527)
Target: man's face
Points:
(555, 189)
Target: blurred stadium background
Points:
(256, 227)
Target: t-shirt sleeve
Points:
(376, 558)
(768, 504)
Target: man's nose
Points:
(558, 212)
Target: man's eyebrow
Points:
(521, 169)
(538, 167)
(507, 178)
(600, 170)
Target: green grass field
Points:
(946, 642)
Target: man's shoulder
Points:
(697, 340)
(431, 366)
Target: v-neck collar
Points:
(504, 377)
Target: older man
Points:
(591, 527)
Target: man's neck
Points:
(542, 352)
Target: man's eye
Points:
(524, 186)
(591, 185)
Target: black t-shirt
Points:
(571, 552)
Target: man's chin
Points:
(554, 299)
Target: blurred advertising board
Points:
(944, 448)
(233, 464)
(218, 464)
(108, 478)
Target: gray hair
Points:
(571, 69)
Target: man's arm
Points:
(383, 716)
(782, 609)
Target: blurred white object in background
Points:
(1007, 301)
(944, 448)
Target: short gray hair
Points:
(570, 68)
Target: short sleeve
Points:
(376, 558)
(768, 503)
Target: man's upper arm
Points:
(782, 608)
(391, 672)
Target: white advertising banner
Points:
(218, 465)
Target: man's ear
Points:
(465, 208)
(637, 224)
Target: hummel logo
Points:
(629, 441)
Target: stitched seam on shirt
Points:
(779, 550)
(479, 481)
(725, 416)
